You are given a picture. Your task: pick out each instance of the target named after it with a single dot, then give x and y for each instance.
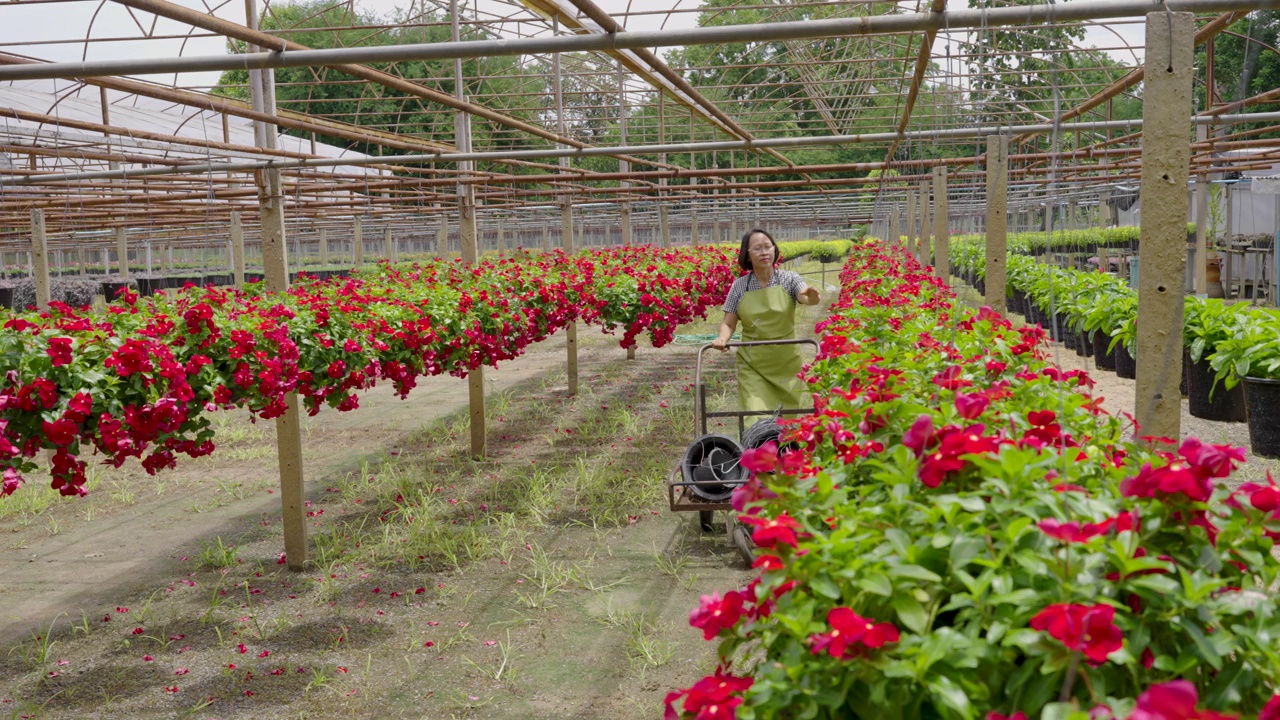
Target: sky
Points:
(34, 23)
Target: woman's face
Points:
(760, 250)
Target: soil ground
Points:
(550, 580)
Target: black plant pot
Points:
(1184, 383)
(1084, 344)
(1262, 398)
(1018, 302)
(1126, 366)
(1225, 405)
(147, 286)
(982, 287)
(1105, 360)
(6, 297)
(111, 288)
(1069, 338)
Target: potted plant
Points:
(1124, 339)
(1206, 323)
(1252, 356)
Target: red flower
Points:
(59, 351)
(1174, 700)
(1090, 630)
(710, 697)
(770, 532)
(1271, 711)
(997, 716)
(762, 459)
(714, 613)
(848, 629)
(61, 432)
(1070, 531)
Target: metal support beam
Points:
(1166, 159)
(997, 220)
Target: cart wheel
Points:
(746, 548)
(704, 519)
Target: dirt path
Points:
(123, 548)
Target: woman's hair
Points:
(744, 256)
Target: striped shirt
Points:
(790, 281)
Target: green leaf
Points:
(910, 612)
(916, 572)
(877, 583)
(823, 585)
(951, 695)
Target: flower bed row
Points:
(964, 532)
(138, 381)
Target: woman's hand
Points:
(720, 344)
(810, 296)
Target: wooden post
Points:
(237, 248)
(122, 250)
(1202, 224)
(357, 242)
(570, 330)
(40, 258)
(941, 233)
(997, 220)
(1166, 162)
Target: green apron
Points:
(767, 375)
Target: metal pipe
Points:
(763, 32)
(712, 146)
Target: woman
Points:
(765, 301)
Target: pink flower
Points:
(970, 406)
(1174, 700)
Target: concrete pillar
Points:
(625, 211)
(40, 258)
(166, 258)
(324, 247)
(1104, 209)
(570, 330)
(716, 237)
(388, 245)
(442, 237)
(664, 225)
(237, 248)
(693, 224)
(1166, 161)
(475, 378)
(1201, 285)
(941, 233)
(997, 220)
(894, 235)
(913, 240)
(357, 242)
(122, 250)
(926, 224)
